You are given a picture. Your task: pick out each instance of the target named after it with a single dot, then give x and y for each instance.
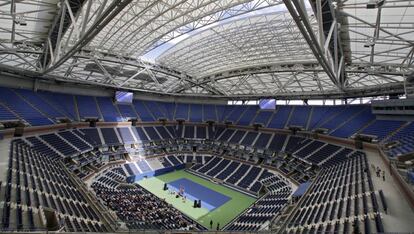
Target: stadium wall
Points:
(401, 183)
(90, 90)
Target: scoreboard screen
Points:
(123, 97)
(267, 104)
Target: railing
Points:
(401, 182)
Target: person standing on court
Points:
(218, 226)
(211, 224)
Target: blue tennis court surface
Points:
(210, 199)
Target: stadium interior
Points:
(198, 116)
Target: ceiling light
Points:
(370, 42)
(20, 20)
(372, 4)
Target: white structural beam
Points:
(247, 48)
(300, 16)
(101, 21)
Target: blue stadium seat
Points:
(223, 111)
(22, 108)
(109, 136)
(263, 117)
(225, 134)
(228, 171)
(262, 140)
(382, 128)
(87, 107)
(142, 111)
(152, 134)
(5, 114)
(169, 109)
(93, 135)
(182, 111)
(143, 166)
(209, 113)
(323, 154)
(294, 143)
(132, 169)
(405, 138)
(59, 144)
(43, 148)
(139, 134)
(248, 178)
(237, 136)
(108, 110)
(280, 118)
(40, 104)
(127, 111)
(233, 178)
(126, 135)
(179, 131)
(300, 115)
(249, 138)
(163, 132)
(75, 140)
(277, 142)
(354, 124)
(343, 116)
(201, 132)
(171, 131)
(321, 113)
(189, 131)
(218, 168)
(247, 115)
(63, 102)
(154, 108)
(309, 149)
(196, 113)
(235, 114)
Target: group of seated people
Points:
(140, 209)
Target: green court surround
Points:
(223, 214)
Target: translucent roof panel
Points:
(145, 24)
(24, 28)
(26, 21)
(217, 48)
(271, 84)
(254, 41)
(390, 42)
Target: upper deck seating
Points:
(87, 107)
(382, 128)
(142, 111)
(280, 118)
(108, 110)
(22, 108)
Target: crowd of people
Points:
(140, 209)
